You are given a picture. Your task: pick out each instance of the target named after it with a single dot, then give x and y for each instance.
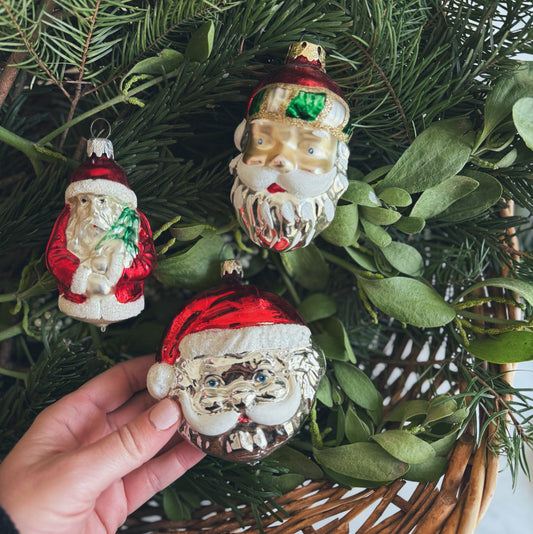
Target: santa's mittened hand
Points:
(78, 285)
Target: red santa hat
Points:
(101, 175)
(232, 319)
(301, 92)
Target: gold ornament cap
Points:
(312, 52)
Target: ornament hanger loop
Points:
(102, 130)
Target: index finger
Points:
(115, 386)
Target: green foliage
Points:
(441, 122)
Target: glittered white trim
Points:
(101, 311)
(221, 341)
(79, 280)
(161, 379)
(101, 186)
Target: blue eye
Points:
(260, 141)
(212, 382)
(311, 150)
(83, 200)
(261, 377)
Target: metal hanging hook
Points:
(100, 132)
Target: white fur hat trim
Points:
(220, 341)
(101, 186)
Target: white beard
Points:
(83, 234)
(290, 219)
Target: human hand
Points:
(92, 458)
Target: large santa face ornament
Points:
(292, 169)
(101, 247)
(241, 363)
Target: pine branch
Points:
(29, 47)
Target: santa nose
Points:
(281, 163)
(242, 397)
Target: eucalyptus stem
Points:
(286, 279)
(124, 97)
(12, 331)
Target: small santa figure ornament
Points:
(101, 247)
(292, 168)
(241, 363)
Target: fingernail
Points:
(164, 414)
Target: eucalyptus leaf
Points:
(317, 306)
(174, 507)
(342, 230)
(376, 174)
(439, 197)
(355, 428)
(380, 216)
(524, 289)
(486, 195)
(361, 193)
(509, 89)
(332, 346)
(201, 44)
(404, 257)
(444, 445)
(357, 386)
(509, 347)
(405, 411)
(351, 482)
(396, 196)
(408, 300)
(307, 266)
(341, 420)
(438, 153)
(362, 460)
(366, 261)
(440, 407)
(287, 482)
(523, 119)
(405, 446)
(410, 225)
(508, 160)
(196, 268)
(376, 234)
(187, 232)
(324, 394)
(166, 61)
(427, 471)
(340, 348)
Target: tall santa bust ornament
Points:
(101, 247)
(294, 155)
(241, 363)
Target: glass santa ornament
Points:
(292, 168)
(241, 363)
(101, 248)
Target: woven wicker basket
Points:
(454, 504)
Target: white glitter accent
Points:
(221, 341)
(78, 285)
(160, 380)
(103, 187)
(101, 311)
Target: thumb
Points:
(129, 447)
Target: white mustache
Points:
(301, 184)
